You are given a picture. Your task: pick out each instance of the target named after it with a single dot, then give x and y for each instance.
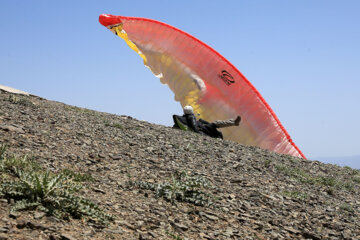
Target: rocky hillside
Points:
(146, 181)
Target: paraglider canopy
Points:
(201, 77)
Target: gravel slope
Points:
(257, 194)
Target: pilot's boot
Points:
(228, 123)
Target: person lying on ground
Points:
(188, 120)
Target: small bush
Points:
(3, 148)
(12, 163)
(33, 188)
(78, 177)
(182, 188)
(21, 101)
(114, 125)
(81, 110)
(51, 193)
(267, 163)
(346, 207)
(173, 235)
(356, 178)
(295, 195)
(9, 164)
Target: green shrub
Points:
(356, 178)
(114, 125)
(9, 164)
(78, 177)
(295, 195)
(3, 148)
(33, 188)
(173, 235)
(303, 177)
(181, 188)
(346, 207)
(51, 193)
(21, 101)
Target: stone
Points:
(21, 224)
(36, 225)
(38, 215)
(10, 128)
(4, 237)
(66, 236)
(116, 157)
(180, 226)
(14, 215)
(209, 216)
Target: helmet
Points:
(188, 110)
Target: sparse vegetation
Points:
(34, 188)
(3, 148)
(173, 235)
(117, 125)
(114, 125)
(356, 178)
(181, 188)
(303, 177)
(78, 177)
(11, 164)
(353, 173)
(346, 207)
(20, 100)
(267, 163)
(295, 195)
(81, 110)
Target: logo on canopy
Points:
(227, 77)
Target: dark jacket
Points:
(188, 120)
(201, 126)
(192, 122)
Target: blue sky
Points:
(302, 56)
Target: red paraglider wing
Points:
(199, 76)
